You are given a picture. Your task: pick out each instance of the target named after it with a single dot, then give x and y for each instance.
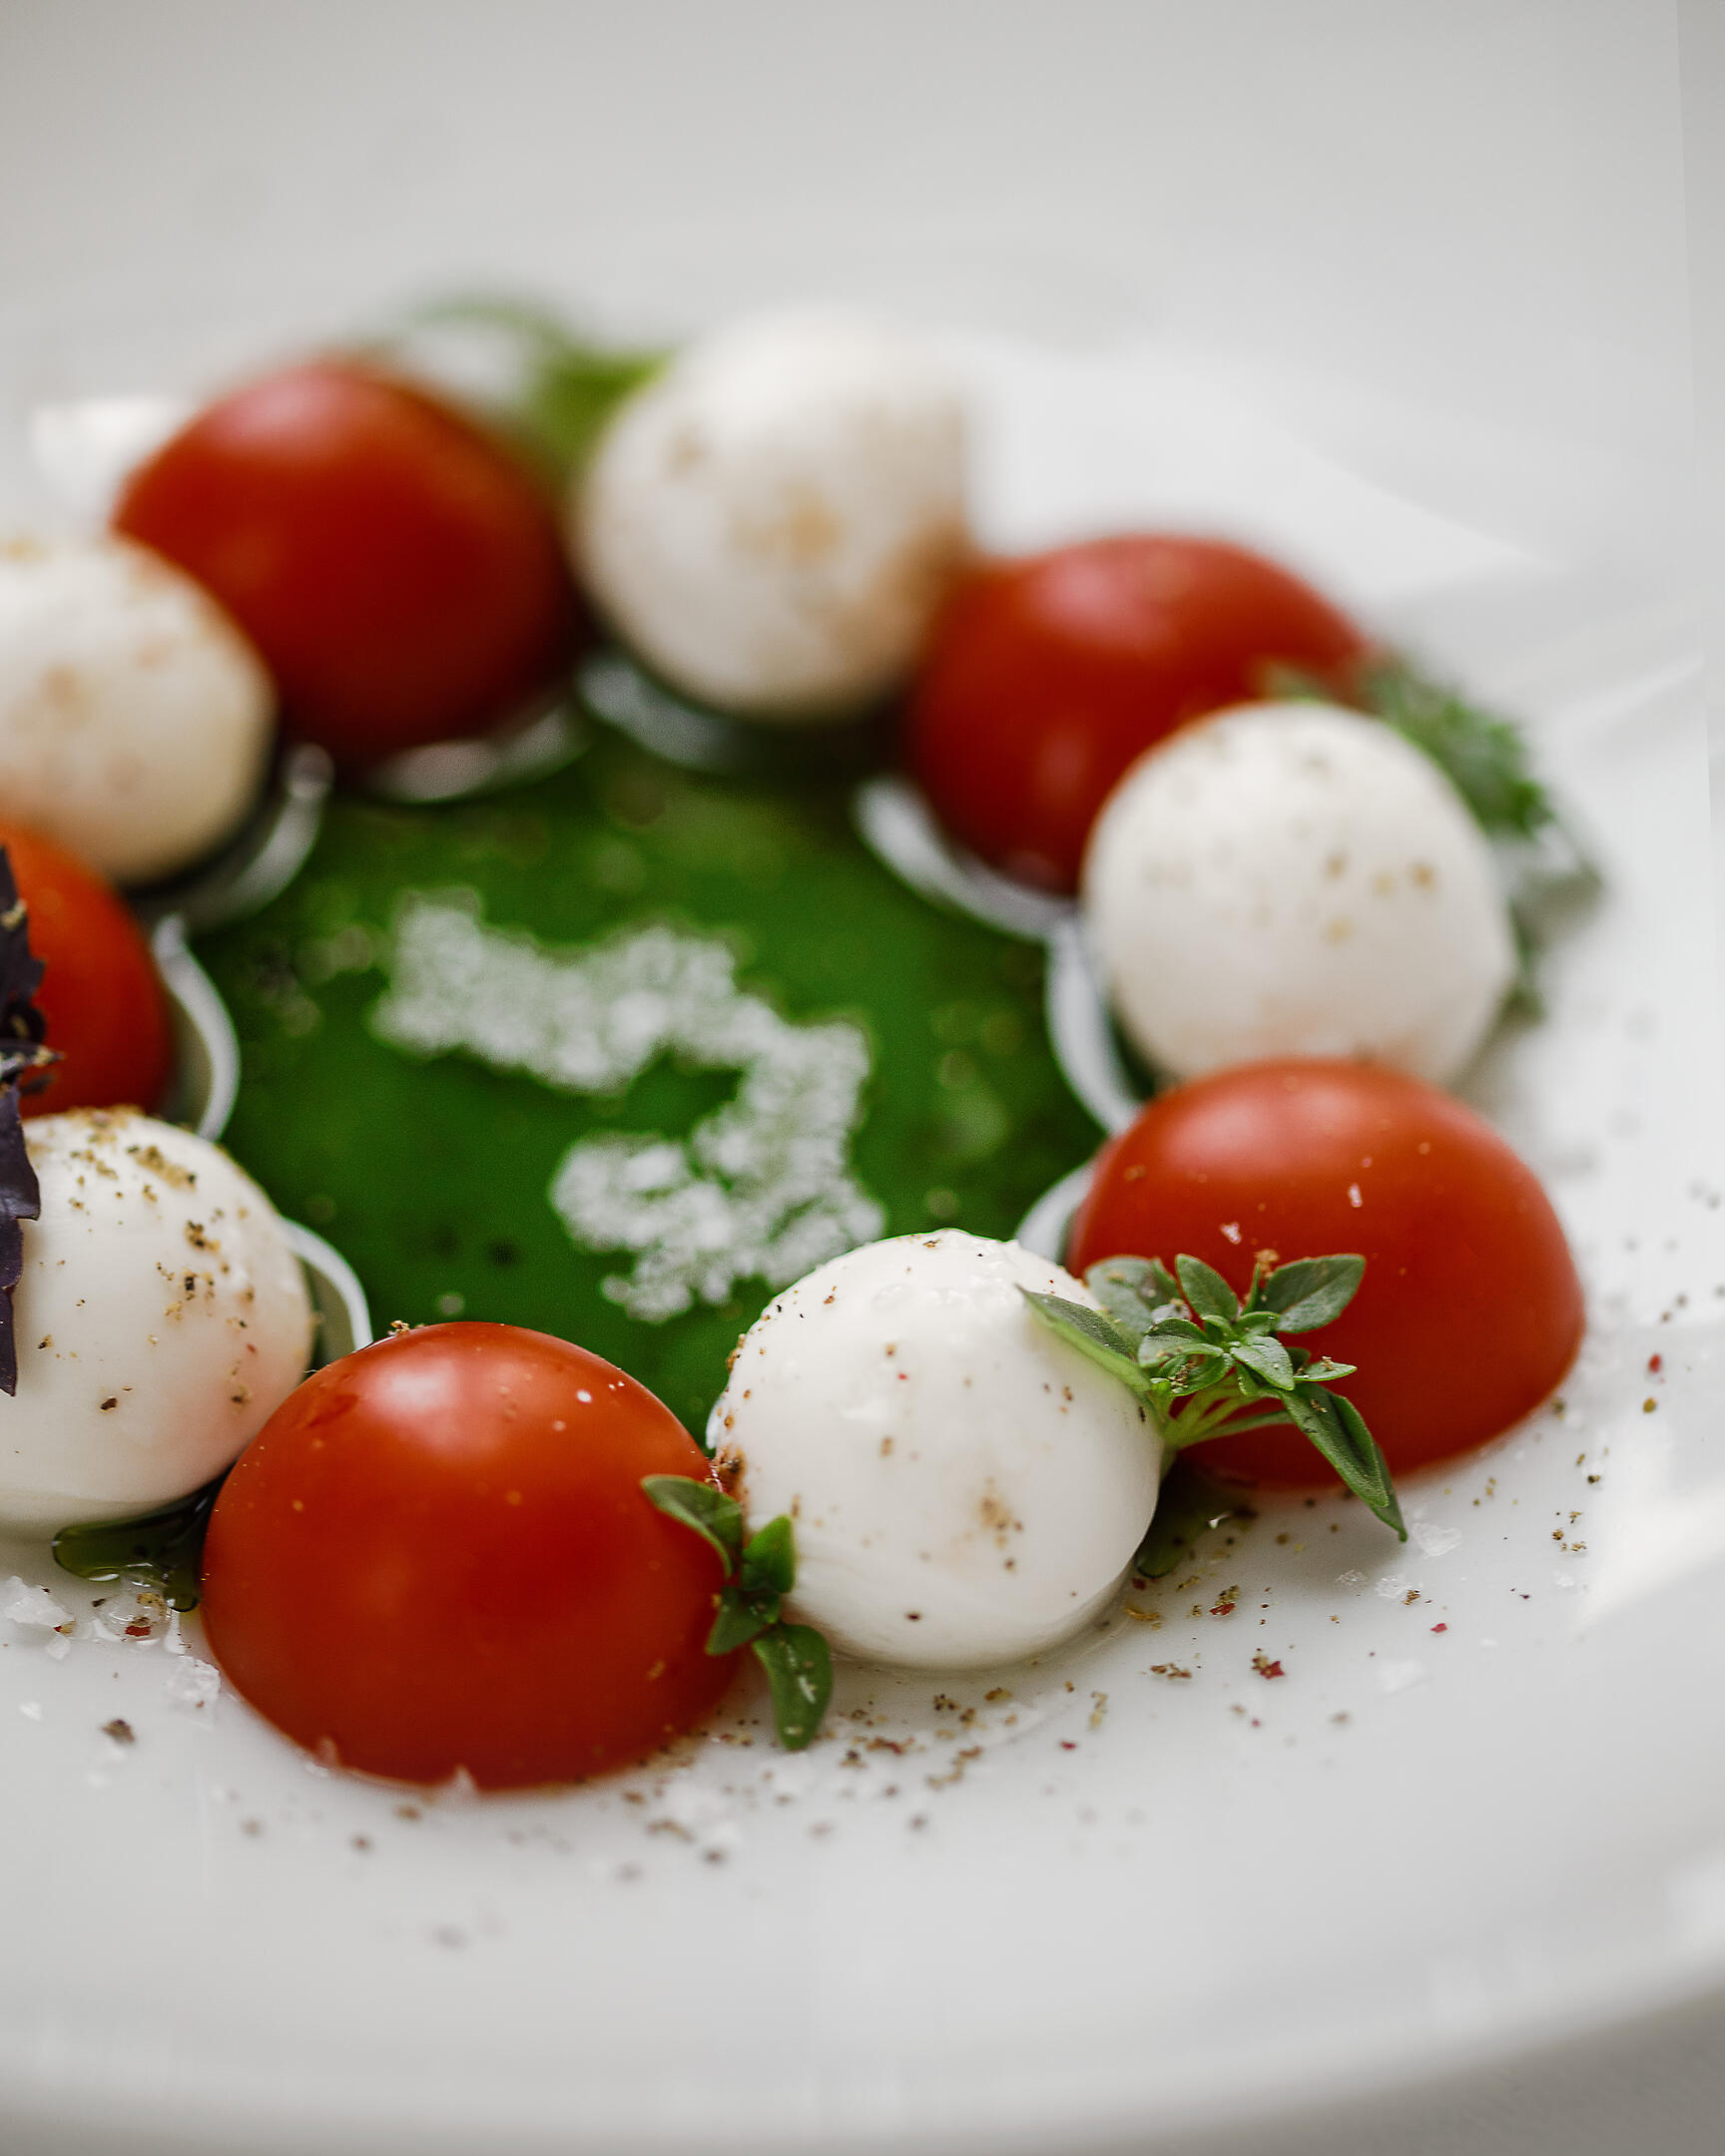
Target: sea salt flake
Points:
(36, 1608)
(1398, 1676)
(1432, 1539)
(761, 1187)
(192, 1683)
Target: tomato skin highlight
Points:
(102, 999)
(437, 1555)
(1471, 1310)
(399, 572)
(1049, 677)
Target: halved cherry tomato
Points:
(401, 573)
(101, 995)
(437, 1554)
(1471, 1310)
(1049, 677)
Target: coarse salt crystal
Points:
(192, 1683)
(26, 1605)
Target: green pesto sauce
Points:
(431, 1175)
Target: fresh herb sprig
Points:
(1207, 1365)
(759, 1574)
(22, 1059)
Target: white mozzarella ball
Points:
(1293, 878)
(966, 1488)
(773, 522)
(135, 719)
(161, 1319)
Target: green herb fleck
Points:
(759, 1574)
(1208, 1365)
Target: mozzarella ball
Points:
(1293, 878)
(773, 522)
(134, 720)
(161, 1319)
(966, 1488)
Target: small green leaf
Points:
(742, 1617)
(1337, 1427)
(1266, 1359)
(1312, 1290)
(1173, 1332)
(1088, 1330)
(798, 1670)
(770, 1560)
(1323, 1370)
(165, 1546)
(1483, 757)
(1127, 1290)
(1203, 1367)
(702, 1506)
(1205, 1289)
(1166, 1286)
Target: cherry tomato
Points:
(101, 995)
(437, 1554)
(399, 572)
(1470, 1312)
(1047, 678)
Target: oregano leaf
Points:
(702, 1506)
(1205, 1289)
(1087, 1331)
(1337, 1429)
(1127, 1290)
(799, 1668)
(741, 1617)
(1166, 1286)
(1266, 1359)
(769, 1564)
(1311, 1291)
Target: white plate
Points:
(1113, 1900)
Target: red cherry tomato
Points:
(101, 994)
(437, 1554)
(401, 573)
(1047, 678)
(1470, 1312)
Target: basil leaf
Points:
(166, 1545)
(1337, 1427)
(770, 1560)
(22, 1031)
(703, 1507)
(1321, 1368)
(800, 1673)
(1087, 1331)
(1266, 1359)
(742, 1617)
(1312, 1290)
(1205, 1289)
